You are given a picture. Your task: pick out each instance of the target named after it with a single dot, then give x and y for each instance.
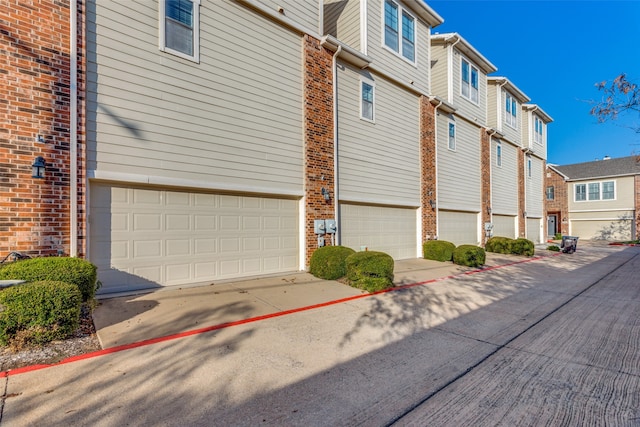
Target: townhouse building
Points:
(187, 142)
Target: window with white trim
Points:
(452, 136)
(594, 191)
(367, 100)
(499, 155)
(537, 131)
(529, 168)
(399, 30)
(179, 28)
(551, 192)
(511, 107)
(469, 80)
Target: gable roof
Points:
(466, 48)
(622, 166)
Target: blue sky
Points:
(555, 52)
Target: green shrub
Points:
(371, 271)
(557, 236)
(522, 246)
(438, 250)
(499, 245)
(553, 248)
(77, 271)
(39, 312)
(328, 262)
(469, 255)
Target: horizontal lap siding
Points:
(534, 187)
(439, 76)
(504, 190)
(342, 20)
(305, 13)
(459, 171)
(234, 117)
(624, 195)
(378, 162)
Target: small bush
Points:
(553, 248)
(499, 245)
(438, 250)
(522, 246)
(328, 262)
(39, 312)
(77, 271)
(469, 255)
(371, 271)
(557, 236)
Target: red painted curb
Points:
(143, 343)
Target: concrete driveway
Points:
(552, 341)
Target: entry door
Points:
(552, 228)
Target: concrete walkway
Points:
(482, 340)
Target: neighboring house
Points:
(507, 161)
(459, 79)
(189, 141)
(556, 202)
(603, 198)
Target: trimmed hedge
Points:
(522, 246)
(39, 312)
(499, 245)
(328, 262)
(438, 250)
(469, 255)
(370, 270)
(553, 248)
(77, 271)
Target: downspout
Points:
(336, 193)
(435, 154)
(73, 130)
(450, 69)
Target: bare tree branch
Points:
(619, 96)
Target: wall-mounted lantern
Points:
(432, 203)
(38, 168)
(325, 194)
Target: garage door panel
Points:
(603, 229)
(385, 229)
(504, 226)
(533, 229)
(459, 228)
(181, 237)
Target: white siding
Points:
(342, 20)
(380, 228)
(378, 162)
(231, 120)
(392, 62)
(459, 170)
(504, 179)
(306, 13)
(534, 187)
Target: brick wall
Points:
(34, 100)
(485, 178)
(521, 194)
(428, 167)
(560, 204)
(318, 128)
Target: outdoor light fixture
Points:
(38, 168)
(432, 203)
(524, 214)
(40, 139)
(489, 210)
(325, 194)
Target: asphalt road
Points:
(550, 342)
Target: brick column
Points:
(81, 133)
(428, 167)
(485, 178)
(319, 144)
(521, 194)
(34, 100)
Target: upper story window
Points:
(529, 168)
(511, 107)
(550, 192)
(452, 136)
(366, 100)
(537, 131)
(499, 155)
(469, 81)
(593, 191)
(179, 28)
(399, 38)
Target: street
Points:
(550, 342)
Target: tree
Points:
(619, 96)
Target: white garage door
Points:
(145, 238)
(460, 228)
(533, 229)
(385, 229)
(504, 226)
(603, 230)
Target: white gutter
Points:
(336, 192)
(73, 130)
